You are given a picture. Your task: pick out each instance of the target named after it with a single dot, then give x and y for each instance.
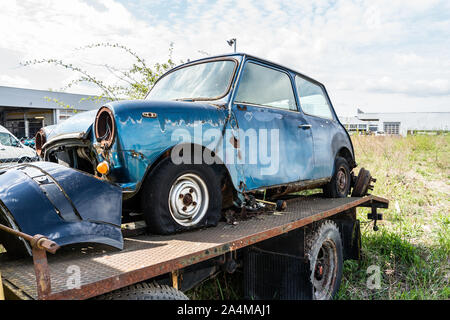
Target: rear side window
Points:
(266, 87)
(313, 100)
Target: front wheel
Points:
(181, 197)
(339, 186)
(145, 291)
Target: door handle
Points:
(305, 126)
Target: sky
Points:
(377, 55)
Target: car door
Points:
(275, 140)
(317, 112)
(3, 152)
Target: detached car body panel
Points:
(63, 204)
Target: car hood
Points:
(133, 109)
(82, 123)
(29, 152)
(79, 123)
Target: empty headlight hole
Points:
(105, 127)
(41, 139)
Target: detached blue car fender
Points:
(66, 205)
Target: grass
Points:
(412, 247)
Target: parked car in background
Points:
(12, 150)
(234, 97)
(29, 142)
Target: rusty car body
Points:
(226, 107)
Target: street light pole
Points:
(232, 42)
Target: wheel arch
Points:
(345, 153)
(219, 167)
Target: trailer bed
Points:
(104, 269)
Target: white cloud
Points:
(369, 54)
(13, 81)
(421, 88)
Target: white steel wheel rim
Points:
(188, 199)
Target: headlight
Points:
(105, 127)
(41, 139)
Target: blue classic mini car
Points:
(211, 134)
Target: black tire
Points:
(145, 291)
(339, 186)
(324, 252)
(25, 160)
(157, 188)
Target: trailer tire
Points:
(162, 199)
(339, 186)
(325, 256)
(145, 291)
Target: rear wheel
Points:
(324, 251)
(181, 197)
(339, 186)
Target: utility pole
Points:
(232, 42)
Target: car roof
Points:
(242, 54)
(3, 129)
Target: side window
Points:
(312, 99)
(265, 86)
(14, 141)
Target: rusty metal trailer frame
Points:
(2, 294)
(173, 264)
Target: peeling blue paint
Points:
(303, 154)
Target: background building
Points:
(25, 111)
(399, 123)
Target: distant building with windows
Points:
(397, 123)
(24, 111)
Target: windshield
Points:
(8, 140)
(203, 81)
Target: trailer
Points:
(277, 252)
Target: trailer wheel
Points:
(339, 186)
(181, 197)
(145, 291)
(324, 252)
